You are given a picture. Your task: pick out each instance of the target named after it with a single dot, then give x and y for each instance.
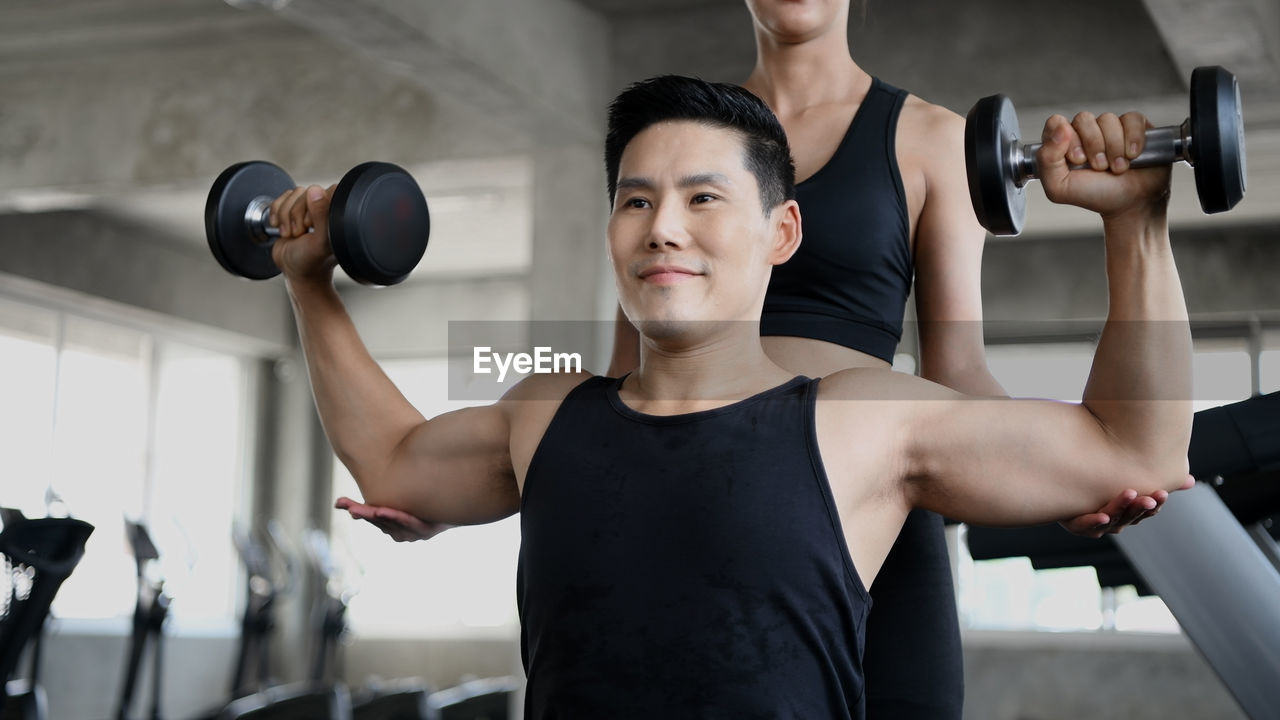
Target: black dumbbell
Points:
(1211, 140)
(378, 221)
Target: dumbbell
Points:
(1211, 140)
(378, 221)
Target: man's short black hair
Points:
(673, 97)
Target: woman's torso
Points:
(825, 140)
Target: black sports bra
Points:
(848, 283)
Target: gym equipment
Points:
(1200, 540)
(329, 609)
(1211, 140)
(378, 221)
(268, 559)
(271, 573)
(149, 614)
(36, 556)
(397, 700)
(405, 699)
(299, 701)
(482, 699)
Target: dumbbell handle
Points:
(1164, 146)
(255, 218)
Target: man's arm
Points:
(1002, 462)
(455, 468)
(948, 289)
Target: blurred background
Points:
(140, 380)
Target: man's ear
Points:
(786, 236)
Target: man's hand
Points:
(303, 252)
(1106, 144)
(400, 526)
(1128, 508)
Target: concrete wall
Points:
(83, 672)
(1047, 676)
(715, 41)
(170, 281)
(1226, 273)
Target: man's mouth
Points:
(666, 274)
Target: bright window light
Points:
(28, 345)
(117, 424)
(195, 476)
(1056, 371)
(99, 459)
(1219, 374)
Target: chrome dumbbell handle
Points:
(1164, 146)
(255, 218)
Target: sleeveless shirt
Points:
(687, 566)
(848, 282)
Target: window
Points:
(1220, 372)
(197, 476)
(460, 583)
(1056, 371)
(28, 346)
(99, 458)
(111, 422)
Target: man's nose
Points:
(669, 229)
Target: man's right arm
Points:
(455, 468)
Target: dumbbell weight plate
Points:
(1217, 138)
(230, 238)
(990, 134)
(378, 223)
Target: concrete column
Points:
(293, 483)
(570, 213)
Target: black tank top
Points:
(688, 566)
(848, 282)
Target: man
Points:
(697, 537)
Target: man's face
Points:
(689, 240)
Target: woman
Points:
(884, 199)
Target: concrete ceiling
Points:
(131, 107)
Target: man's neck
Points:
(678, 379)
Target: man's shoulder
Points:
(544, 388)
(869, 384)
(530, 407)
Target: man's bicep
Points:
(998, 461)
(455, 468)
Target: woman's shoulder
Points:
(926, 120)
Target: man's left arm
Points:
(948, 248)
(1133, 426)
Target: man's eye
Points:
(637, 203)
(703, 198)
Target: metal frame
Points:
(1221, 587)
